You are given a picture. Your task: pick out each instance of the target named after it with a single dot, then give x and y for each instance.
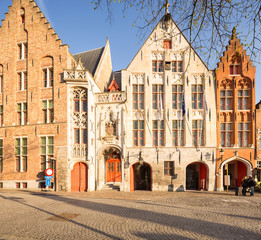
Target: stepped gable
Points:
(90, 59)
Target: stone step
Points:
(111, 186)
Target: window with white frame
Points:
(138, 96)
(1, 155)
(48, 112)
(178, 133)
(157, 66)
(138, 133)
(226, 99)
(177, 66)
(47, 152)
(22, 113)
(197, 96)
(198, 132)
(48, 77)
(158, 132)
(80, 135)
(157, 96)
(243, 99)
(22, 81)
(243, 134)
(21, 154)
(22, 50)
(177, 96)
(226, 131)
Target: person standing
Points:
(244, 184)
(251, 185)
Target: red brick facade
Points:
(235, 93)
(29, 46)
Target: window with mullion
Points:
(243, 134)
(48, 111)
(138, 96)
(22, 113)
(21, 154)
(80, 104)
(226, 97)
(197, 96)
(157, 97)
(22, 51)
(243, 98)
(157, 66)
(158, 132)
(46, 152)
(178, 133)
(235, 69)
(1, 155)
(138, 133)
(48, 77)
(197, 132)
(80, 136)
(226, 131)
(168, 168)
(177, 92)
(177, 66)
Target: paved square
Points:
(133, 215)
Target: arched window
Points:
(244, 95)
(47, 74)
(235, 65)
(22, 14)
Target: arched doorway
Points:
(113, 166)
(140, 178)
(236, 170)
(79, 177)
(196, 176)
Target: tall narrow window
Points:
(22, 51)
(47, 152)
(48, 77)
(21, 154)
(197, 96)
(177, 94)
(158, 132)
(167, 44)
(157, 97)
(157, 66)
(80, 103)
(178, 133)
(22, 81)
(1, 155)
(243, 99)
(226, 97)
(138, 133)
(48, 112)
(243, 134)
(1, 82)
(259, 140)
(1, 116)
(22, 14)
(80, 136)
(226, 131)
(138, 96)
(198, 132)
(22, 113)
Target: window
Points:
(80, 102)
(177, 96)
(22, 51)
(177, 66)
(197, 132)
(168, 168)
(138, 96)
(48, 77)
(157, 97)
(197, 96)
(158, 132)
(226, 98)
(243, 134)
(1, 83)
(22, 81)
(47, 151)
(21, 154)
(259, 140)
(226, 130)
(178, 133)
(138, 133)
(258, 164)
(235, 69)
(22, 14)
(48, 112)
(243, 98)
(1, 155)
(167, 44)
(157, 66)
(1, 116)
(22, 113)
(80, 135)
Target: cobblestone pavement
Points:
(30, 215)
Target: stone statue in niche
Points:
(110, 127)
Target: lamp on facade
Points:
(236, 153)
(221, 153)
(141, 161)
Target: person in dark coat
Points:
(251, 185)
(244, 184)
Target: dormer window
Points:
(167, 44)
(235, 65)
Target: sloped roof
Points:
(117, 78)
(90, 59)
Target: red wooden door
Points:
(113, 170)
(79, 177)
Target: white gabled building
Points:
(165, 147)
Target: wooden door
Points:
(113, 170)
(79, 177)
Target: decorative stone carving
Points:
(110, 97)
(176, 56)
(197, 114)
(157, 76)
(177, 114)
(138, 115)
(79, 150)
(158, 114)
(177, 79)
(197, 79)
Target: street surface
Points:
(30, 215)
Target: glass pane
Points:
(154, 124)
(50, 140)
(135, 125)
(229, 126)
(19, 106)
(84, 106)
(162, 124)
(76, 106)
(141, 88)
(174, 88)
(17, 151)
(229, 93)
(17, 142)
(239, 93)
(135, 97)
(24, 150)
(174, 124)
(135, 88)
(50, 149)
(200, 88)
(154, 88)
(240, 126)
(194, 88)
(141, 123)
(50, 103)
(194, 124)
(166, 172)
(245, 93)
(180, 88)
(44, 104)
(246, 126)
(24, 141)
(222, 93)
(222, 126)
(43, 149)
(160, 88)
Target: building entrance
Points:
(141, 177)
(113, 166)
(196, 176)
(79, 177)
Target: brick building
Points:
(235, 93)
(257, 171)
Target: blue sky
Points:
(83, 28)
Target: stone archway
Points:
(140, 177)
(196, 176)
